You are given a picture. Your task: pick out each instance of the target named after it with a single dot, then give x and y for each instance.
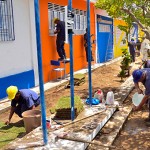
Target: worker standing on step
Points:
(21, 100)
(143, 76)
(60, 41)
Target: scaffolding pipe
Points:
(89, 51)
(38, 41)
(71, 68)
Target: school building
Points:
(19, 64)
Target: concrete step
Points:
(111, 129)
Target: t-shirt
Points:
(61, 26)
(146, 82)
(27, 99)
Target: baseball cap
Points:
(137, 74)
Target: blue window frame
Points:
(6, 21)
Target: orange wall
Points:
(49, 42)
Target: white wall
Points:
(20, 55)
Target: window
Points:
(57, 11)
(6, 21)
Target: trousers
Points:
(60, 48)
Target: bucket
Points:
(32, 119)
(137, 98)
(110, 98)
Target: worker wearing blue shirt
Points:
(143, 76)
(132, 48)
(21, 100)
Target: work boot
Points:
(60, 59)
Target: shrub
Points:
(125, 63)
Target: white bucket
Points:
(110, 98)
(137, 98)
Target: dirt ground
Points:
(135, 135)
(105, 78)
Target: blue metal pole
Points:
(89, 51)
(71, 67)
(38, 41)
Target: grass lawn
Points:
(11, 132)
(63, 107)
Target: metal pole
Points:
(71, 67)
(89, 51)
(38, 41)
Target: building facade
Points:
(19, 64)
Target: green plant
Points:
(125, 63)
(126, 59)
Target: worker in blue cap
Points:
(143, 76)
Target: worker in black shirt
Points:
(60, 41)
(86, 46)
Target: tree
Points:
(130, 11)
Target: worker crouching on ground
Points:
(143, 76)
(21, 100)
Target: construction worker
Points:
(145, 46)
(143, 76)
(21, 100)
(60, 41)
(132, 48)
(86, 46)
(145, 64)
(138, 46)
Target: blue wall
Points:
(21, 80)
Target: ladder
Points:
(109, 51)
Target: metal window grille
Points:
(6, 21)
(57, 11)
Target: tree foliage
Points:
(130, 11)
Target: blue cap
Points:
(137, 74)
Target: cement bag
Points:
(32, 119)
